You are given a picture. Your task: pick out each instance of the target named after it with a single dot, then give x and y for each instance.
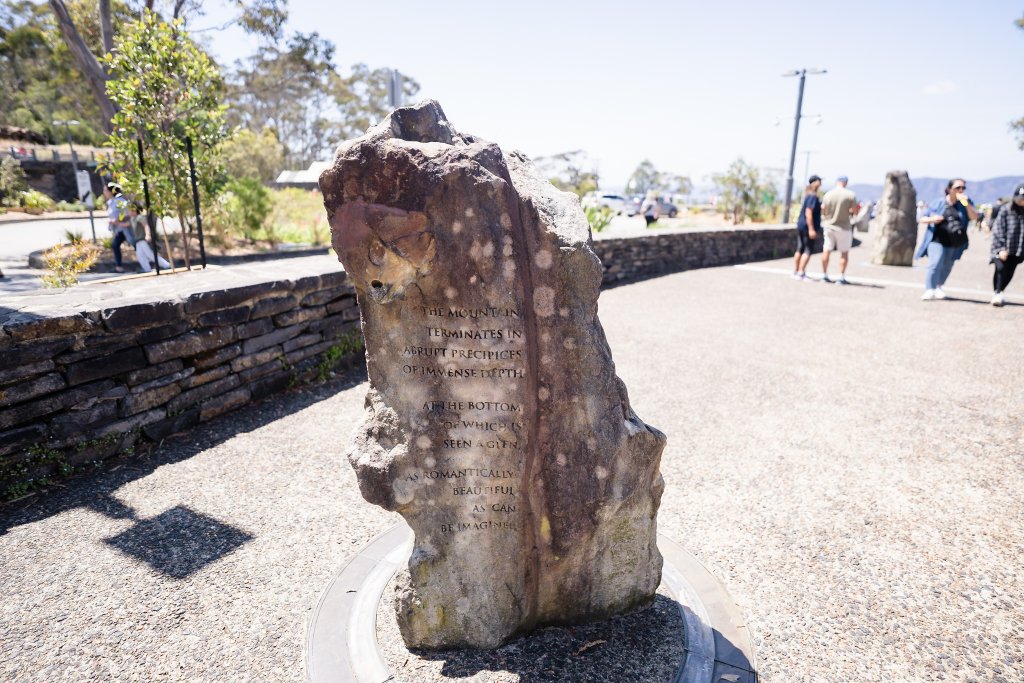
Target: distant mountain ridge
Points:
(930, 189)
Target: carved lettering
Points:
(470, 472)
(460, 406)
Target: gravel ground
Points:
(847, 460)
(642, 646)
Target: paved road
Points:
(19, 239)
(847, 460)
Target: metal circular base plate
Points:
(341, 645)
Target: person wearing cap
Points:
(1007, 244)
(945, 239)
(808, 223)
(838, 205)
(118, 222)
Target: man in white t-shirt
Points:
(838, 205)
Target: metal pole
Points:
(195, 200)
(792, 152)
(92, 226)
(149, 212)
(71, 149)
(74, 167)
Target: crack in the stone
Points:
(524, 266)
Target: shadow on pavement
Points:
(94, 490)
(179, 541)
(648, 644)
(866, 285)
(980, 302)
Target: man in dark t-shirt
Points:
(808, 225)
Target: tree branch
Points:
(106, 27)
(95, 76)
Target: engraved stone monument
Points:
(894, 230)
(495, 423)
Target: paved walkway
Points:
(847, 460)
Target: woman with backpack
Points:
(945, 239)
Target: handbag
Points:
(951, 231)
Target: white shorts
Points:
(837, 239)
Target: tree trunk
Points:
(167, 244)
(106, 27)
(95, 75)
(181, 216)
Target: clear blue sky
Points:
(925, 86)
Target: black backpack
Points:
(952, 231)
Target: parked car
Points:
(667, 208)
(633, 203)
(615, 202)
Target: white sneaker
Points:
(825, 277)
(795, 275)
(939, 294)
(998, 299)
(929, 295)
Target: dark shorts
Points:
(804, 243)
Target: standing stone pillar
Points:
(894, 230)
(495, 423)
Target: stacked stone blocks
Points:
(76, 389)
(631, 259)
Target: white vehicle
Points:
(615, 202)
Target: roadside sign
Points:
(85, 188)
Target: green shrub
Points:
(65, 263)
(74, 236)
(249, 207)
(599, 217)
(34, 201)
(69, 206)
(298, 217)
(12, 181)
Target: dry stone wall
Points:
(636, 258)
(75, 389)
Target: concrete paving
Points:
(847, 460)
(18, 239)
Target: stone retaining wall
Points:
(85, 382)
(75, 389)
(56, 179)
(636, 258)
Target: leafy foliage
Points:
(567, 172)
(34, 201)
(12, 180)
(298, 217)
(292, 216)
(39, 79)
(743, 191)
(297, 92)
(252, 205)
(599, 217)
(647, 178)
(253, 155)
(166, 89)
(65, 263)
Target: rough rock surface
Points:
(495, 423)
(895, 226)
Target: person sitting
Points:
(143, 252)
